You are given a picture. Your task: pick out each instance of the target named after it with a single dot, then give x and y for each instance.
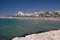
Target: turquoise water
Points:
(10, 28)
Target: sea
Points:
(10, 28)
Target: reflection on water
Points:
(10, 28)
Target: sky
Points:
(8, 7)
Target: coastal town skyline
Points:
(34, 14)
(9, 7)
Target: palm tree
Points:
(41, 14)
(47, 14)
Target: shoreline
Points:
(32, 18)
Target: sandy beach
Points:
(32, 18)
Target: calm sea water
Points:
(10, 28)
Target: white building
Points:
(58, 11)
(28, 14)
(36, 14)
(20, 13)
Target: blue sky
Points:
(13, 6)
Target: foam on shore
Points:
(51, 35)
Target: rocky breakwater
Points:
(51, 35)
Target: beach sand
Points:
(32, 18)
